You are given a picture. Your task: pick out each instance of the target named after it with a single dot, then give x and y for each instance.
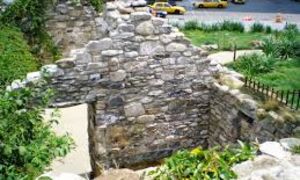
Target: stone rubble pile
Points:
(275, 163)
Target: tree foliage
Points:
(27, 143)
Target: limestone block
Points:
(134, 109)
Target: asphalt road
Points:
(263, 11)
(252, 6)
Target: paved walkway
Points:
(225, 57)
(74, 121)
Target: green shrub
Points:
(15, 57)
(292, 27)
(232, 26)
(204, 164)
(191, 25)
(223, 26)
(268, 29)
(270, 46)
(28, 145)
(254, 64)
(284, 46)
(257, 27)
(97, 4)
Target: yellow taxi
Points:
(211, 4)
(165, 6)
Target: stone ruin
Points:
(150, 92)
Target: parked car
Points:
(165, 6)
(211, 4)
(238, 1)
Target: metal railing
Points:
(290, 98)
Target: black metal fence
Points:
(290, 98)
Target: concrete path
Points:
(74, 120)
(225, 57)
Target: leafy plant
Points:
(282, 46)
(296, 149)
(257, 27)
(223, 26)
(270, 47)
(268, 29)
(15, 57)
(191, 25)
(232, 26)
(254, 64)
(292, 27)
(204, 164)
(27, 143)
(97, 4)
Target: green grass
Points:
(224, 39)
(285, 76)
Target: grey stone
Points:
(167, 38)
(176, 47)
(66, 63)
(16, 84)
(146, 118)
(119, 75)
(134, 109)
(116, 101)
(126, 27)
(34, 76)
(145, 28)
(97, 46)
(167, 75)
(289, 143)
(111, 52)
(131, 54)
(274, 149)
(151, 48)
(140, 16)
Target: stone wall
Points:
(150, 92)
(146, 85)
(234, 116)
(73, 25)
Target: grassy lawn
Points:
(224, 38)
(285, 76)
(273, 71)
